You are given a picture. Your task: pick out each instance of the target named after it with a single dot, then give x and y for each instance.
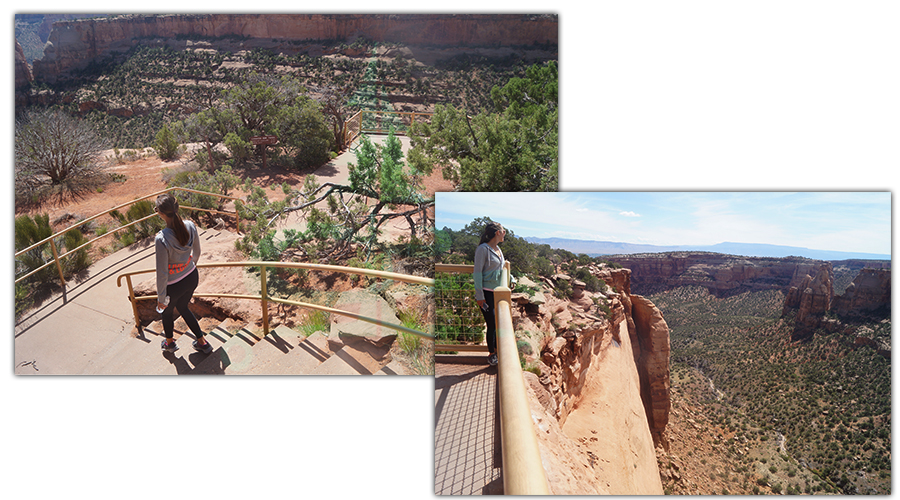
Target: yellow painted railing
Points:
(57, 258)
(523, 473)
(264, 297)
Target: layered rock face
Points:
(22, 69)
(603, 388)
(870, 290)
(813, 297)
(73, 44)
(651, 346)
(721, 274)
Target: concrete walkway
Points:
(89, 327)
(467, 431)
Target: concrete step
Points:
(352, 359)
(129, 354)
(393, 368)
(286, 352)
(233, 356)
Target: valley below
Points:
(755, 412)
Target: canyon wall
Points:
(22, 71)
(870, 291)
(722, 274)
(602, 398)
(808, 285)
(74, 44)
(811, 301)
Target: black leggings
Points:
(180, 295)
(490, 321)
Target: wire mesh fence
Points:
(458, 320)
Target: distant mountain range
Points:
(597, 248)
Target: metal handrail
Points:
(352, 132)
(523, 473)
(56, 257)
(264, 297)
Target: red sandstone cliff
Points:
(721, 274)
(651, 346)
(22, 70)
(808, 285)
(870, 291)
(813, 298)
(73, 44)
(602, 398)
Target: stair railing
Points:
(265, 298)
(523, 473)
(381, 123)
(57, 258)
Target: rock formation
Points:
(870, 291)
(811, 299)
(651, 343)
(603, 385)
(22, 71)
(869, 295)
(808, 285)
(722, 274)
(74, 44)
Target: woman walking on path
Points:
(177, 251)
(489, 263)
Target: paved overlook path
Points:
(466, 429)
(89, 328)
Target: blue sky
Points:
(839, 221)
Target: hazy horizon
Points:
(853, 222)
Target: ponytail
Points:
(167, 204)
(490, 230)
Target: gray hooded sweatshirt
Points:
(488, 266)
(174, 261)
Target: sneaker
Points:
(492, 359)
(169, 346)
(205, 348)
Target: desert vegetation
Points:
(789, 417)
(457, 313)
(195, 103)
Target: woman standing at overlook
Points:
(177, 251)
(489, 263)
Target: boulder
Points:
(353, 331)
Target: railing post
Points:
(134, 309)
(58, 265)
(265, 299)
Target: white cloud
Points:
(629, 214)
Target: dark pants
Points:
(490, 320)
(180, 295)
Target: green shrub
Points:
(165, 145)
